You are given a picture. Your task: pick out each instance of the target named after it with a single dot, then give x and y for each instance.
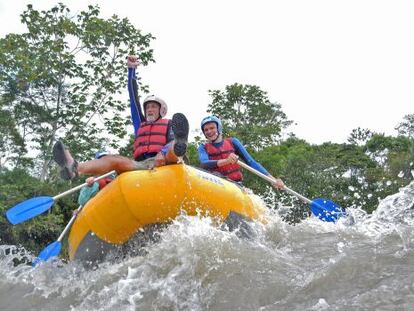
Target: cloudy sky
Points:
(332, 65)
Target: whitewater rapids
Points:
(313, 265)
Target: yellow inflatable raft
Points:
(138, 199)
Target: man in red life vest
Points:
(158, 141)
(220, 155)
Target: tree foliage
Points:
(349, 174)
(248, 114)
(11, 142)
(359, 136)
(62, 79)
(16, 186)
(406, 127)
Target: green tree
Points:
(16, 186)
(406, 127)
(394, 154)
(62, 79)
(359, 136)
(11, 142)
(248, 114)
(344, 173)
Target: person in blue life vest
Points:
(220, 155)
(158, 141)
(94, 187)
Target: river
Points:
(366, 264)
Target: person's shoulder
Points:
(238, 146)
(235, 140)
(201, 147)
(164, 121)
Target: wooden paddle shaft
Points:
(272, 180)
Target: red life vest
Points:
(103, 182)
(151, 137)
(231, 171)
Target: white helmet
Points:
(163, 105)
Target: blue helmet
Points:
(212, 119)
(101, 154)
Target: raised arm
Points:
(136, 111)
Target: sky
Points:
(332, 65)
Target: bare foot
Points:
(68, 165)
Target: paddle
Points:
(35, 206)
(324, 209)
(53, 249)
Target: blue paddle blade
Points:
(326, 210)
(52, 250)
(28, 209)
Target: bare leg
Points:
(113, 162)
(105, 164)
(70, 168)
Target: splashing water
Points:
(196, 266)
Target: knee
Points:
(119, 162)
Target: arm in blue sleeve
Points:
(135, 86)
(246, 157)
(205, 163)
(136, 113)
